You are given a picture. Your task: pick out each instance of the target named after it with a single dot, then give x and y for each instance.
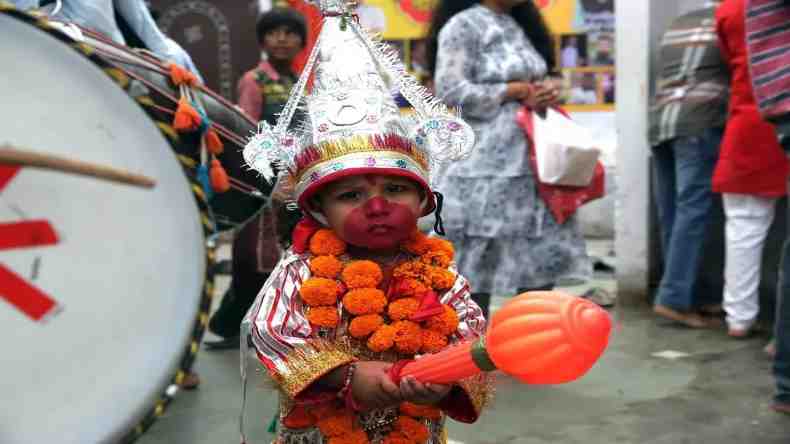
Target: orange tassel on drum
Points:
(187, 118)
(180, 76)
(213, 142)
(219, 177)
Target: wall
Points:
(635, 76)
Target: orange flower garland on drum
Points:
(384, 319)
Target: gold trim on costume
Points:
(333, 149)
(308, 363)
(479, 389)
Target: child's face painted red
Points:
(372, 211)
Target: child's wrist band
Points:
(345, 393)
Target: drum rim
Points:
(200, 322)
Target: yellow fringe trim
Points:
(309, 363)
(333, 149)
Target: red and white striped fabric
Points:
(768, 43)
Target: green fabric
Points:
(480, 356)
(273, 425)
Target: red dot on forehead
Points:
(371, 179)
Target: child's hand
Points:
(416, 392)
(372, 386)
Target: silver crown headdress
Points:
(351, 118)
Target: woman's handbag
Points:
(572, 163)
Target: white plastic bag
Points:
(564, 150)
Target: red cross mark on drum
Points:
(28, 234)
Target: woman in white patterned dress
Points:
(491, 57)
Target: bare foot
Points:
(770, 349)
(781, 407)
(691, 320)
(739, 333)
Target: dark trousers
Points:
(246, 282)
(782, 329)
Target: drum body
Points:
(142, 73)
(128, 270)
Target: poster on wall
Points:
(584, 42)
(585, 46)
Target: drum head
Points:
(127, 269)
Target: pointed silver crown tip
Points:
(335, 7)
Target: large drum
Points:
(104, 287)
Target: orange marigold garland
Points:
(415, 430)
(402, 308)
(326, 266)
(362, 326)
(357, 436)
(364, 301)
(356, 282)
(382, 339)
(440, 279)
(412, 269)
(433, 341)
(362, 274)
(336, 425)
(396, 437)
(443, 246)
(320, 291)
(326, 316)
(408, 337)
(326, 242)
(410, 287)
(445, 323)
(416, 244)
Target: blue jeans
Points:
(683, 175)
(782, 329)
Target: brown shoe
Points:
(191, 381)
(691, 320)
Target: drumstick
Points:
(15, 156)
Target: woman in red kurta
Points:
(751, 175)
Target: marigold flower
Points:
(320, 291)
(411, 269)
(408, 337)
(361, 326)
(325, 242)
(406, 288)
(420, 411)
(323, 316)
(364, 301)
(445, 323)
(357, 436)
(362, 274)
(433, 341)
(440, 278)
(416, 243)
(436, 259)
(325, 266)
(436, 244)
(382, 339)
(336, 425)
(403, 308)
(396, 437)
(415, 430)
